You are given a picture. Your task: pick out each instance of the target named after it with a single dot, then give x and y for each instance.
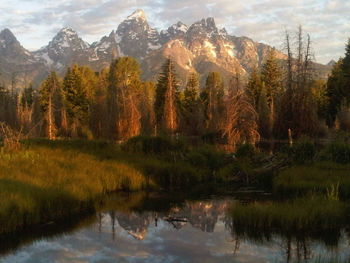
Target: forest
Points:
(280, 99)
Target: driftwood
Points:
(175, 219)
(270, 164)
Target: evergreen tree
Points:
(27, 98)
(7, 107)
(147, 98)
(345, 68)
(264, 114)
(98, 109)
(335, 92)
(25, 109)
(213, 101)
(123, 93)
(271, 78)
(192, 112)
(167, 99)
(338, 87)
(76, 101)
(48, 99)
(254, 87)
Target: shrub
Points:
(338, 152)
(152, 145)
(245, 150)
(206, 157)
(304, 151)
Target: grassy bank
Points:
(322, 177)
(313, 216)
(49, 180)
(40, 184)
(331, 260)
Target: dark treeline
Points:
(278, 100)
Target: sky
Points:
(35, 22)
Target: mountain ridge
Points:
(200, 47)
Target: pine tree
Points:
(345, 68)
(147, 98)
(271, 77)
(8, 102)
(27, 98)
(254, 87)
(192, 112)
(167, 99)
(213, 101)
(49, 105)
(98, 109)
(123, 98)
(76, 101)
(335, 92)
(25, 109)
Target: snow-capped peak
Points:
(138, 14)
(68, 31)
(179, 26)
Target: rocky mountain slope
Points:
(200, 47)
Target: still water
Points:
(153, 228)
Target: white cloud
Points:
(36, 21)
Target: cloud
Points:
(36, 21)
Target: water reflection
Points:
(144, 228)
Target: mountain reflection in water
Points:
(137, 228)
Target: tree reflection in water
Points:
(145, 217)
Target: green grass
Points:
(331, 260)
(42, 184)
(313, 216)
(48, 180)
(319, 177)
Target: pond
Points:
(144, 227)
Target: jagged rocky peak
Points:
(7, 37)
(68, 31)
(10, 47)
(139, 14)
(203, 28)
(65, 48)
(179, 27)
(135, 37)
(223, 32)
(209, 24)
(68, 38)
(177, 30)
(135, 23)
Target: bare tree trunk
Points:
(50, 121)
(289, 62)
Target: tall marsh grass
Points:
(312, 216)
(321, 177)
(52, 179)
(42, 184)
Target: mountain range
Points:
(200, 47)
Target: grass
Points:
(313, 216)
(331, 260)
(49, 180)
(170, 167)
(319, 177)
(41, 184)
